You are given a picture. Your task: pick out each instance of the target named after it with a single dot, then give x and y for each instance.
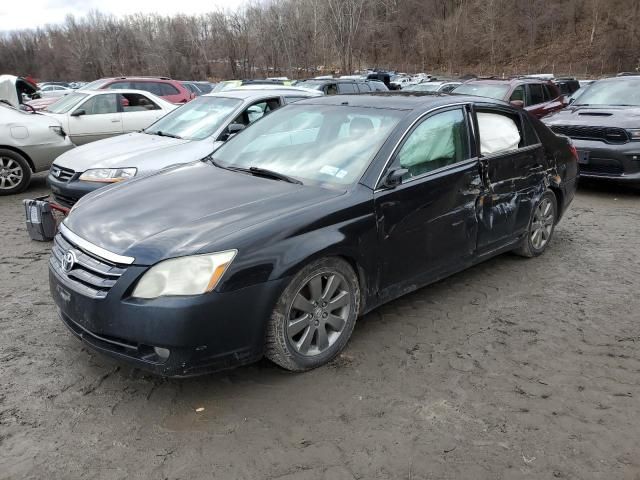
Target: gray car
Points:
(29, 143)
(187, 134)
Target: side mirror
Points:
(394, 177)
(232, 129)
(78, 112)
(517, 103)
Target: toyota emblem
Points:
(69, 260)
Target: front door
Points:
(101, 119)
(427, 225)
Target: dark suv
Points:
(341, 86)
(171, 90)
(538, 97)
(604, 124)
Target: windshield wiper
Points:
(164, 134)
(272, 174)
(263, 172)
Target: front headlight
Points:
(108, 175)
(192, 275)
(634, 133)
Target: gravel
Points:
(515, 368)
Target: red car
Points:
(539, 97)
(170, 90)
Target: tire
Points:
(541, 226)
(322, 297)
(15, 173)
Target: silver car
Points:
(189, 133)
(29, 143)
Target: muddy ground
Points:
(513, 369)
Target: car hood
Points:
(184, 210)
(601, 116)
(147, 153)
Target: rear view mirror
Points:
(78, 112)
(517, 103)
(394, 178)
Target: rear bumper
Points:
(202, 333)
(620, 163)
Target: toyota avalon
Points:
(325, 209)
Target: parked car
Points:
(185, 135)
(539, 97)
(28, 144)
(166, 87)
(231, 84)
(198, 88)
(54, 91)
(604, 125)
(337, 86)
(402, 82)
(566, 85)
(170, 90)
(313, 216)
(88, 116)
(433, 87)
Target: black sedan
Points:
(604, 124)
(313, 216)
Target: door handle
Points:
(115, 121)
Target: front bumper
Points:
(202, 333)
(67, 193)
(620, 163)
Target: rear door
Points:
(138, 111)
(513, 170)
(427, 225)
(101, 119)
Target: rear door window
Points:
(499, 132)
(347, 88)
(364, 87)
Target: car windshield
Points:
(228, 85)
(95, 85)
(66, 103)
(490, 90)
(197, 120)
(617, 92)
(310, 84)
(323, 144)
(423, 87)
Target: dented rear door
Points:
(512, 182)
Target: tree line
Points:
(303, 38)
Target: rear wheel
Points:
(541, 226)
(315, 315)
(15, 173)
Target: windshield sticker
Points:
(333, 171)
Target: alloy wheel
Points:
(542, 224)
(11, 173)
(319, 313)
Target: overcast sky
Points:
(35, 13)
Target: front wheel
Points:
(541, 226)
(315, 315)
(15, 173)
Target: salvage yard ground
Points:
(513, 369)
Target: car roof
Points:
(120, 90)
(398, 100)
(510, 81)
(245, 93)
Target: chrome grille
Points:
(61, 173)
(606, 134)
(90, 275)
